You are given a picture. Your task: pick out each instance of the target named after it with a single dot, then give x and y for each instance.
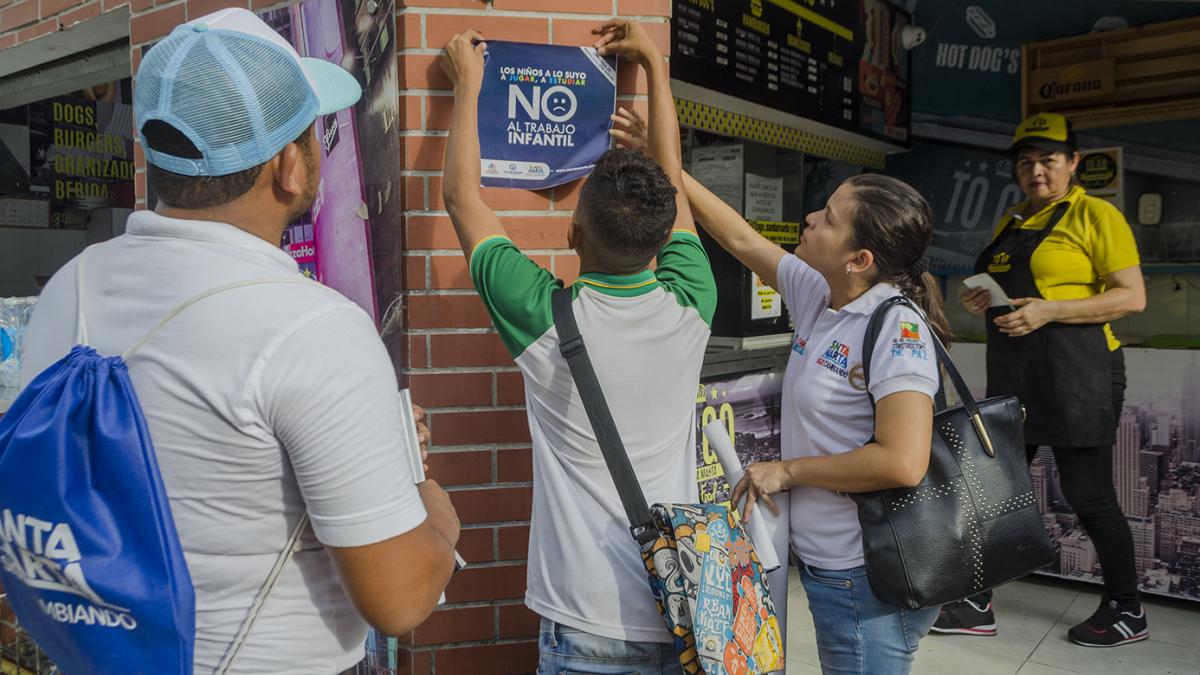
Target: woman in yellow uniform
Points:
(1070, 265)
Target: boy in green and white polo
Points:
(646, 333)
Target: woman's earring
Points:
(848, 270)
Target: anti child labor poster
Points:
(359, 188)
(556, 102)
(749, 405)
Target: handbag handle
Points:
(875, 325)
(574, 351)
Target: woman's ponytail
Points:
(926, 292)
(894, 222)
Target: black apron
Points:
(1061, 373)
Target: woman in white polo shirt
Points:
(866, 245)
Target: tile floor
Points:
(1033, 617)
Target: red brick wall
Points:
(456, 364)
(24, 20)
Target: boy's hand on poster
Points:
(463, 61)
(423, 434)
(627, 39)
(762, 479)
(629, 129)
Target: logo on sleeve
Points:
(800, 345)
(858, 377)
(836, 359)
(910, 343)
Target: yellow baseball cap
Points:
(1046, 131)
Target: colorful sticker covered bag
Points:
(704, 573)
(711, 589)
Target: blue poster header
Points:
(543, 113)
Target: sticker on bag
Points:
(732, 616)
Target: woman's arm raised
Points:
(733, 233)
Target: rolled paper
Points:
(718, 439)
(408, 422)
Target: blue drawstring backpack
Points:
(89, 556)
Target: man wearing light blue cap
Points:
(272, 398)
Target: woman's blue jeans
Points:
(857, 633)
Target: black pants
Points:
(1085, 475)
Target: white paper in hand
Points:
(986, 282)
(409, 421)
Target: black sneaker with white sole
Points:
(1111, 625)
(966, 617)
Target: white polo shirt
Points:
(262, 402)
(825, 406)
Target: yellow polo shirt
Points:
(1092, 240)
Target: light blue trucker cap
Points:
(236, 89)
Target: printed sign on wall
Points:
(749, 404)
(62, 157)
(543, 113)
(1101, 172)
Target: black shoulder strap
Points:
(875, 325)
(960, 385)
(1055, 217)
(570, 345)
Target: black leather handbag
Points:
(973, 522)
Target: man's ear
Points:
(290, 171)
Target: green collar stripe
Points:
(620, 285)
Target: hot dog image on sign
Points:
(543, 113)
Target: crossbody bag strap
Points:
(197, 298)
(572, 348)
(264, 592)
(293, 542)
(875, 325)
(81, 334)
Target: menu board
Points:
(839, 62)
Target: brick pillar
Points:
(23, 21)
(457, 366)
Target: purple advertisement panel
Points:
(332, 242)
(749, 405)
(339, 214)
